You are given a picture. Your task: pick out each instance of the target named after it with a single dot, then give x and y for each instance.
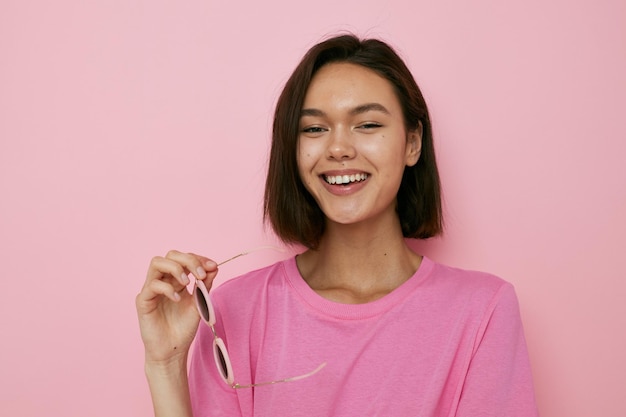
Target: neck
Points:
(358, 263)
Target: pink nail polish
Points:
(201, 272)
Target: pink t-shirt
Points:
(447, 342)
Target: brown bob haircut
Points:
(290, 209)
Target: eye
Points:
(369, 126)
(314, 130)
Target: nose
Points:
(340, 145)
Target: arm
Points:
(169, 389)
(499, 381)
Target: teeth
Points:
(345, 179)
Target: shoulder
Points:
(465, 277)
(477, 299)
(468, 286)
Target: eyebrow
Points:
(363, 108)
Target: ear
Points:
(414, 145)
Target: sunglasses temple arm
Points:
(276, 248)
(232, 258)
(295, 378)
(313, 372)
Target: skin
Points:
(352, 123)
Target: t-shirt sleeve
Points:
(499, 380)
(210, 396)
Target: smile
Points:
(344, 179)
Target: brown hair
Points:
(289, 207)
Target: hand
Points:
(167, 313)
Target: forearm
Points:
(169, 389)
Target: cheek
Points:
(303, 160)
(305, 157)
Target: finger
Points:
(164, 288)
(161, 268)
(199, 266)
(154, 290)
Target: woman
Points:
(358, 324)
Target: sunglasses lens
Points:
(203, 308)
(222, 363)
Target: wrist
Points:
(163, 367)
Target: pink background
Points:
(131, 127)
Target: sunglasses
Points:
(220, 353)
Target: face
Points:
(353, 145)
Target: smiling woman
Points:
(288, 206)
(358, 324)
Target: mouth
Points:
(344, 179)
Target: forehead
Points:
(346, 84)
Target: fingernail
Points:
(185, 278)
(201, 272)
(176, 296)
